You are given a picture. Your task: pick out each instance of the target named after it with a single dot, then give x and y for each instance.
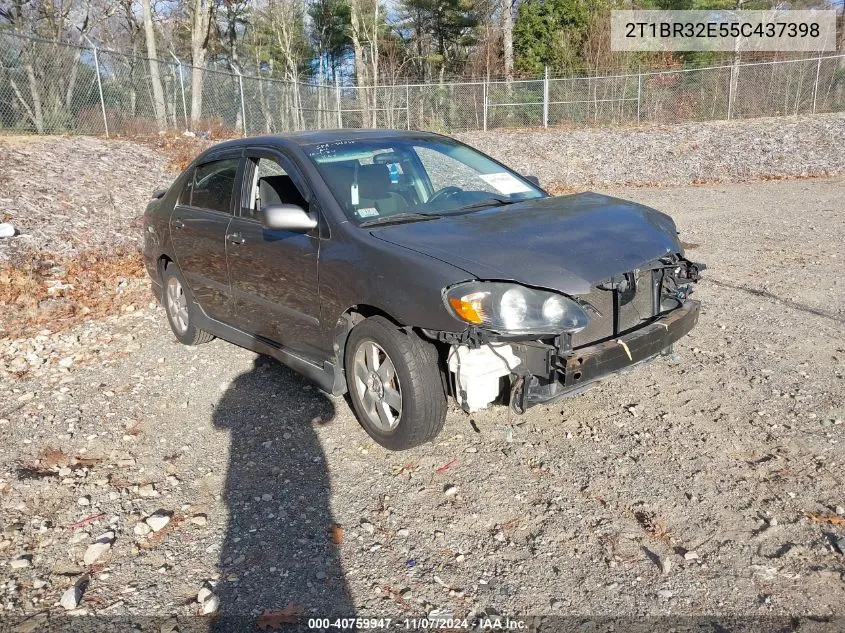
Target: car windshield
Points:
(414, 178)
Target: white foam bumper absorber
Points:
(476, 373)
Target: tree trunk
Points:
(38, 113)
(374, 64)
(360, 63)
(507, 37)
(200, 30)
(155, 77)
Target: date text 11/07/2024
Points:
(497, 623)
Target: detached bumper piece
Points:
(574, 371)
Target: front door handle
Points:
(235, 238)
(178, 224)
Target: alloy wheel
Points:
(377, 386)
(177, 305)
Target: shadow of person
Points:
(278, 551)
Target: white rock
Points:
(199, 519)
(204, 594)
(7, 230)
(20, 563)
(665, 566)
(158, 520)
(840, 510)
(690, 555)
(148, 490)
(98, 548)
(210, 605)
(83, 501)
(39, 583)
(403, 532)
(72, 597)
(450, 491)
(368, 527)
(141, 529)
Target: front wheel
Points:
(394, 384)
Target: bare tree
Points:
(507, 37)
(366, 22)
(155, 76)
(201, 14)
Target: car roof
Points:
(309, 137)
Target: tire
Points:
(179, 305)
(415, 376)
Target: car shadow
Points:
(279, 554)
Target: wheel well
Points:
(349, 319)
(357, 313)
(161, 264)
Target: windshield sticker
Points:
(503, 182)
(367, 212)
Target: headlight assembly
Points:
(514, 309)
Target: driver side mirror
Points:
(288, 217)
(533, 180)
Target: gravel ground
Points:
(711, 483)
(70, 194)
(721, 151)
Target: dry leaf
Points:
(653, 524)
(274, 619)
(831, 519)
(336, 534)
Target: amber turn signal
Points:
(465, 310)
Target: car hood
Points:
(566, 243)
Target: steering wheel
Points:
(444, 194)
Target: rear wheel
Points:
(394, 384)
(178, 303)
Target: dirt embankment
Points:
(691, 153)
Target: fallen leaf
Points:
(274, 619)
(336, 533)
(831, 519)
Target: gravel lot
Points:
(685, 487)
(720, 151)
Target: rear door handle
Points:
(178, 224)
(235, 238)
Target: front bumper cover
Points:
(573, 371)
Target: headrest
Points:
(373, 181)
(283, 188)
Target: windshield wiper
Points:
(399, 218)
(487, 202)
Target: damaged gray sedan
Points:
(405, 268)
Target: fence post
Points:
(731, 91)
(816, 85)
(546, 98)
(408, 106)
(484, 93)
(639, 93)
(99, 85)
(241, 90)
(182, 87)
(337, 101)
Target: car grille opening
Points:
(624, 303)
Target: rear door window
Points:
(214, 185)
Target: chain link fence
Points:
(52, 87)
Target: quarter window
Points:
(214, 185)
